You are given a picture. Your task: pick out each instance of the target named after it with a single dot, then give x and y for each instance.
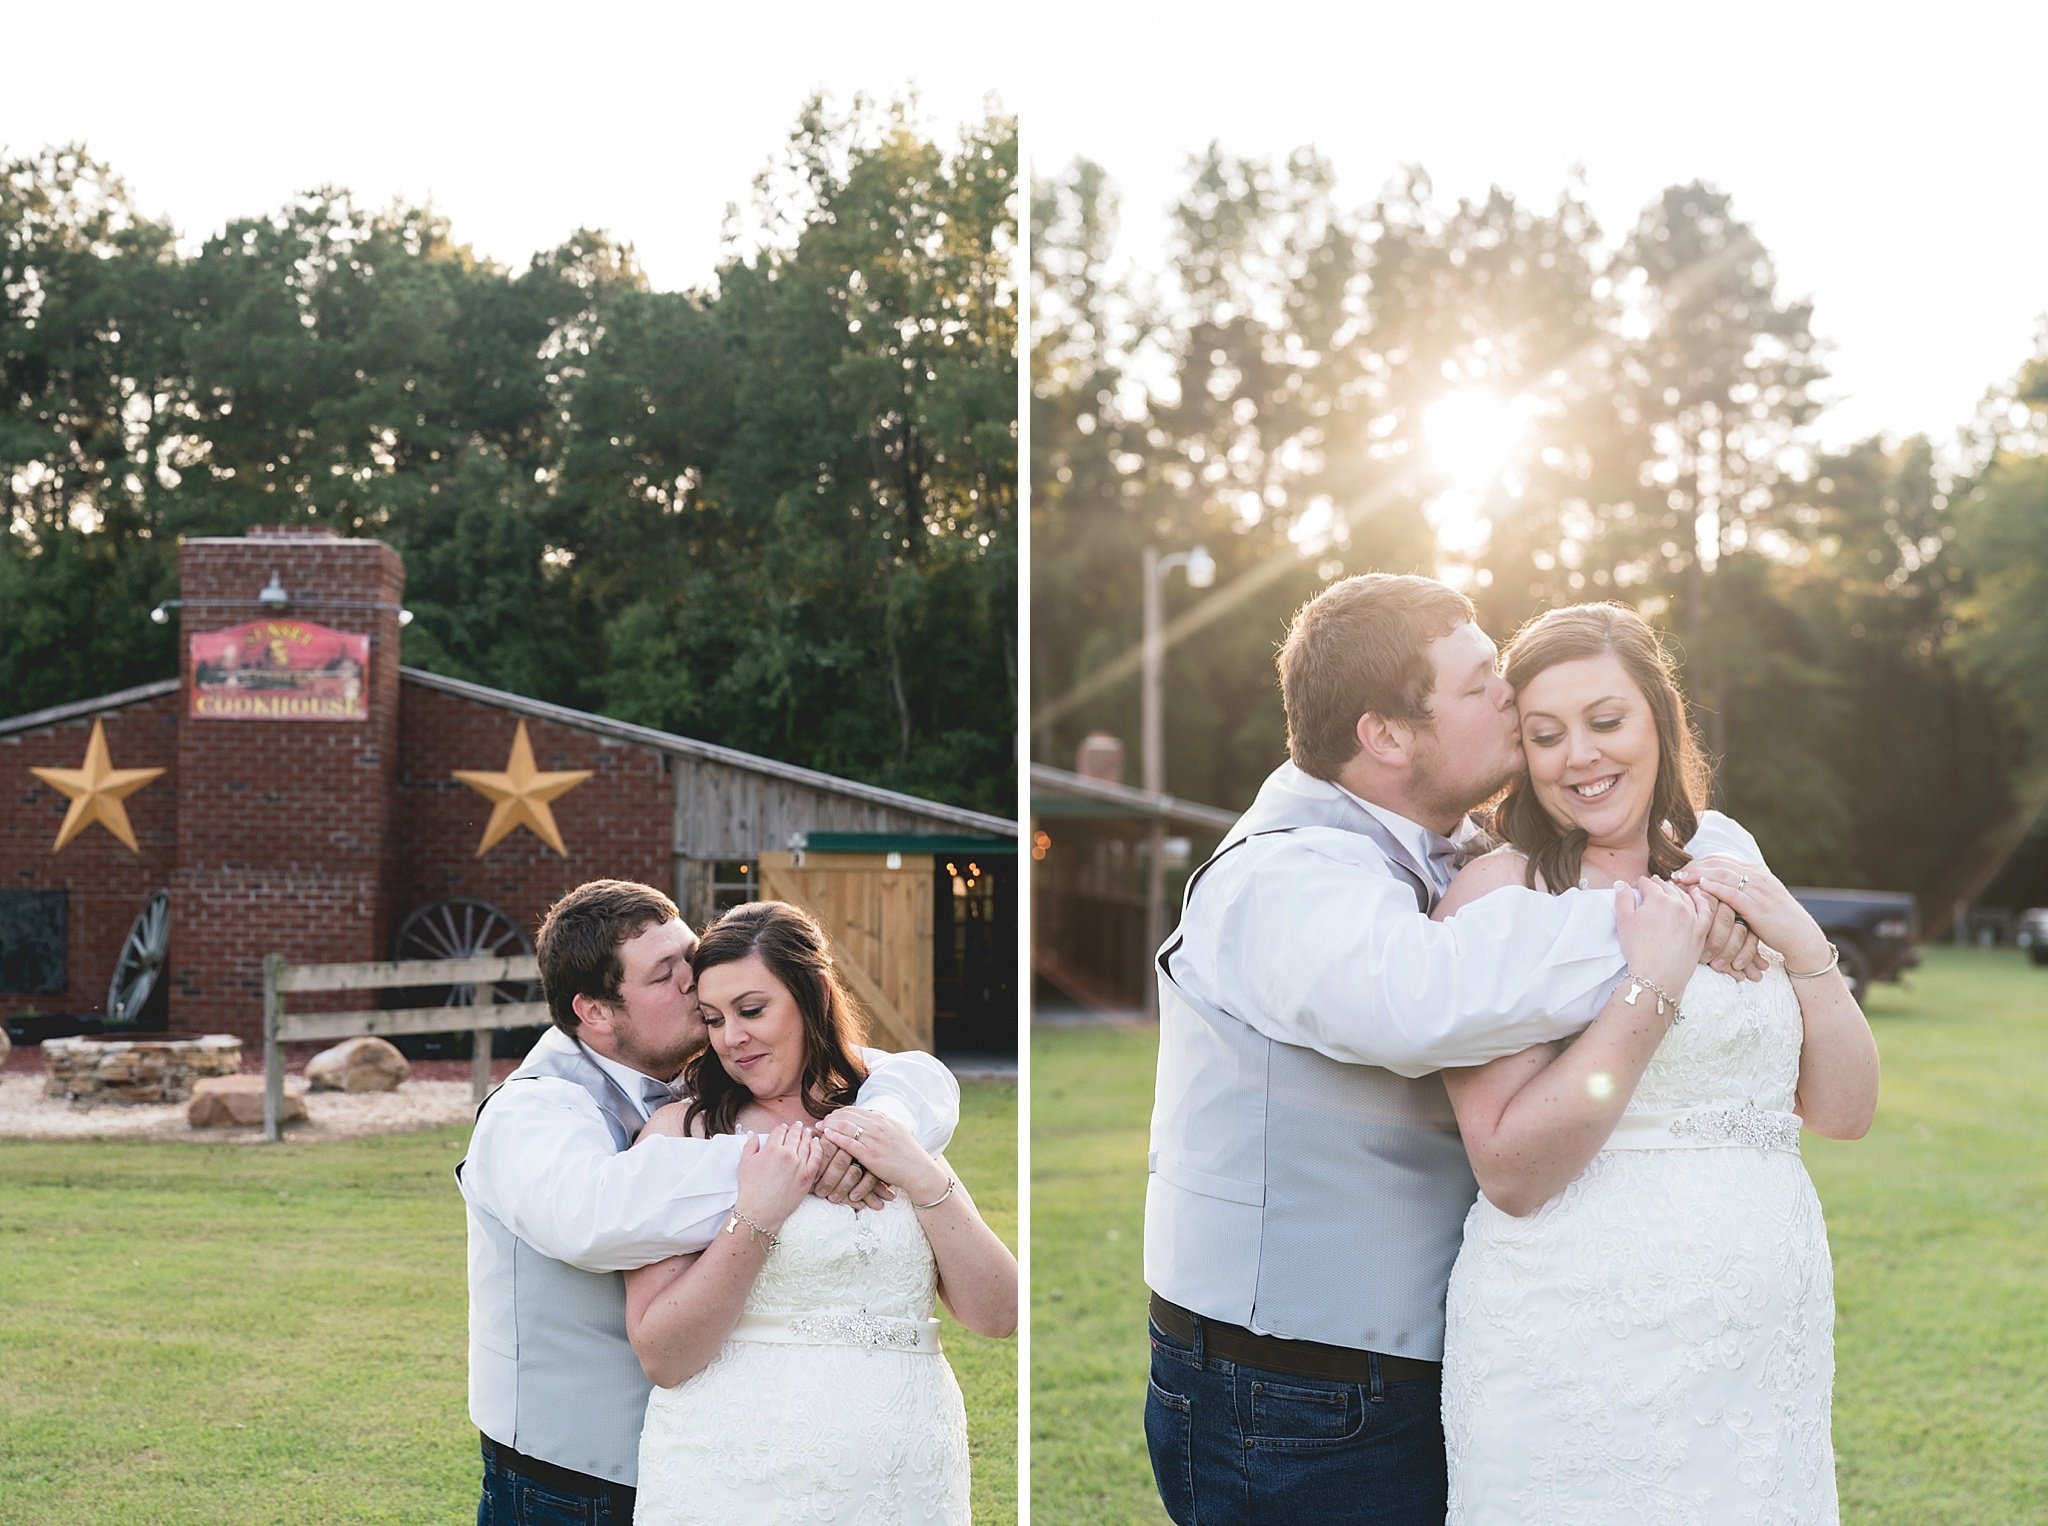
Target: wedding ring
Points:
(859, 1129)
(1741, 882)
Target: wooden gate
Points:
(880, 922)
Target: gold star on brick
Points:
(519, 796)
(96, 792)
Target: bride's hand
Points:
(1732, 945)
(776, 1171)
(1663, 928)
(847, 1182)
(886, 1148)
(1760, 898)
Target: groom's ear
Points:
(592, 1013)
(1384, 741)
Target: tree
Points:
(91, 407)
(779, 514)
(811, 523)
(1277, 397)
(1720, 379)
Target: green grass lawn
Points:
(1936, 1219)
(232, 1333)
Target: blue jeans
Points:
(1233, 1444)
(510, 1498)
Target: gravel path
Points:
(436, 1093)
(25, 1113)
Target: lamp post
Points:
(1201, 571)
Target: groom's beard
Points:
(664, 1062)
(1465, 797)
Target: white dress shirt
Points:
(1312, 938)
(1434, 853)
(647, 1093)
(543, 1164)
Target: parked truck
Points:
(1877, 931)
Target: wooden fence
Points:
(485, 974)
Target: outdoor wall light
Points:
(272, 596)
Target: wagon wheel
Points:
(462, 928)
(465, 929)
(140, 966)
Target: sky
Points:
(1891, 161)
(1890, 157)
(519, 123)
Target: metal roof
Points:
(731, 757)
(56, 715)
(1052, 787)
(956, 817)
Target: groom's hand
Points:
(844, 1180)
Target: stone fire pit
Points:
(135, 1070)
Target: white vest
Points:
(551, 1373)
(1290, 1193)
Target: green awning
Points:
(904, 842)
(1060, 806)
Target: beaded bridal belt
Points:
(1705, 1127)
(848, 1329)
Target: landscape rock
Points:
(366, 1064)
(232, 1101)
(89, 1070)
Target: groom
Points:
(1307, 1183)
(559, 1206)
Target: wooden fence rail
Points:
(281, 1027)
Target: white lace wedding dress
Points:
(830, 1402)
(1656, 1344)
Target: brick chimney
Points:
(1100, 756)
(285, 825)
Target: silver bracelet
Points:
(753, 1230)
(951, 1183)
(1834, 959)
(1638, 984)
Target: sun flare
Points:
(1471, 435)
(1472, 438)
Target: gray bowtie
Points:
(1443, 863)
(657, 1094)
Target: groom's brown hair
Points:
(578, 943)
(1361, 646)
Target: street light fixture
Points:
(1201, 573)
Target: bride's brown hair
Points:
(1683, 779)
(792, 945)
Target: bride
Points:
(798, 1368)
(1641, 1321)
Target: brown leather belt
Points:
(1299, 1359)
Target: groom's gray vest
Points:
(551, 1373)
(1293, 1194)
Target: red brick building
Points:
(312, 808)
